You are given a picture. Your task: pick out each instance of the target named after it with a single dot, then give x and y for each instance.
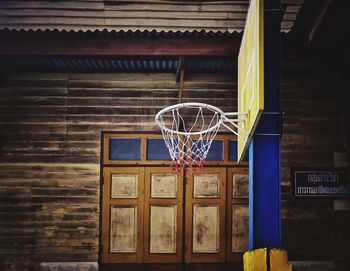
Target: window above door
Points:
(150, 149)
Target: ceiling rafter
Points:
(311, 33)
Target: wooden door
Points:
(237, 217)
(163, 216)
(150, 216)
(205, 216)
(122, 217)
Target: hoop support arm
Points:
(233, 122)
(235, 114)
(230, 129)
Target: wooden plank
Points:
(53, 250)
(123, 93)
(184, 2)
(32, 101)
(173, 14)
(286, 25)
(39, 128)
(51, 12)
(52, 5)
(83, 182)
(54, 233)
(52, 158)
(32, 111)
(59, 15)
(32, 91)
(46, 22)
(16, 83)
(49, 217)
(120, 102)
(42, 241)
(176, 23)
(41, 200)
(32, 120)
(201, 91)
(184, 6)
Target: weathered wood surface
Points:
(159, 15)
(50, 131)
(312, 133)
(48, 211)
(312, 123)
(64, 119)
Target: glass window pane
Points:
(125, 149)
(157, 150)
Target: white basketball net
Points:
(188, 131)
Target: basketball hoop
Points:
(188, 130)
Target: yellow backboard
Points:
(251, 75)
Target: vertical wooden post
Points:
(180, 75)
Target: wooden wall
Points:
(313, 131)
(159, 15)
(50, 131)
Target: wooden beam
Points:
(117, 46)
(316, 24)
(182, 78)
(180, 67)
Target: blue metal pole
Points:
(265, 148)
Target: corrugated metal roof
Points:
(147, 65)
(134, 15)
(113, 64)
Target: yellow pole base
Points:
(266, 259)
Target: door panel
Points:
(205, 215)
(237, 213)
(123, 229)
(143, 218)
(163, 216)
(163, 229)
(206, 228)
(122, 218)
